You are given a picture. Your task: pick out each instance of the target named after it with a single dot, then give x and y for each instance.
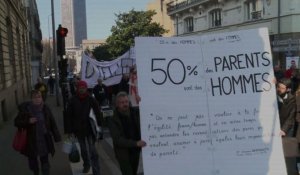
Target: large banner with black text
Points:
(208, 105)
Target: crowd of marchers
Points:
(37, 119)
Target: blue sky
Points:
(100, 15)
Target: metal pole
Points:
(54, 54)
(50, 60)
(278, 17)
(279, 29)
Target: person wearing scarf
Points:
(78, 124)
(37, 119)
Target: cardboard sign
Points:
(208, 105)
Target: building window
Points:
(20, 56)
(253, 9)
(11, 50)
(215, 17)
(188, 24)
(2, 75)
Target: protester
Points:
(78, 123)
(123, 85)
(36, 117)
(278, 73)
(51, 83)
(99, 92)
(125, 131)
(295, 81)
(289, 73)
(42, 87)
(134, 97)
(72, 84)
(287, 114)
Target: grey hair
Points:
(121, 94)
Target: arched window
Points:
(215, 18)
(188, 24)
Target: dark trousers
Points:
(34, 165)
(130, 167)
(51, 89)
(291, 165)
(89, 154)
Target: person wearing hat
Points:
(78, 123)
(287, 115)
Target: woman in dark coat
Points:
(37, 119)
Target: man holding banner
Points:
(287, 115)
(125, 131)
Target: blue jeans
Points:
(89, 154)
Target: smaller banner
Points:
(110, 72)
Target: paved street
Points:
(13, 163)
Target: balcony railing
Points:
(183, 5)
(256, 15)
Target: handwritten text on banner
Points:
(209, 105)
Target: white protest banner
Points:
(209, 105)
(109, 71)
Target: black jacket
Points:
(77, 117)
(287, 113)
(122, 144)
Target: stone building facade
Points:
(281, 17)
(18, 43)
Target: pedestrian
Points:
(278, 73)
(289, 73)
(287, 115)
(99, 92)
(78, 123)
(72, 84)
(51, 83)
(124, 128)
(134, 97)
(37, 118)
(42, 87)
(123, 85)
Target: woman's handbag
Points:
(74, 156)
(20, 140)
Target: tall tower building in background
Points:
(73, 14)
